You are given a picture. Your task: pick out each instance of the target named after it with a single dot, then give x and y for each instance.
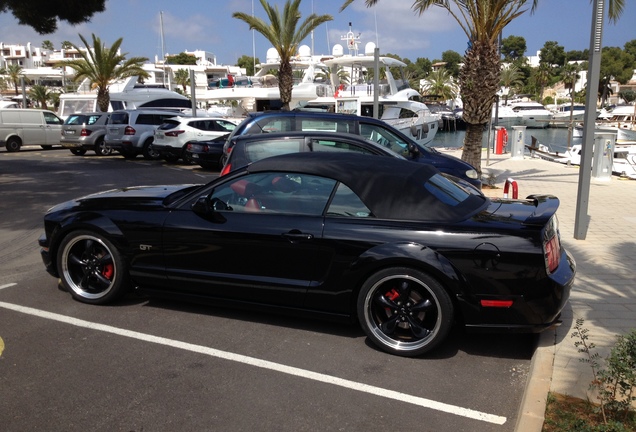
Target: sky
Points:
(208, 25)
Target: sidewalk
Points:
(604, 292)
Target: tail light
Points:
(552, 245)
(174, 133)
(226, 169)
(85, 132)
(129, 130)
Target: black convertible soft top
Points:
(391, 188)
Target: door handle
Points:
(296, 235)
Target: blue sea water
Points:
(555, 138)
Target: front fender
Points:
(87, 221)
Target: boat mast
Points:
(163, 49)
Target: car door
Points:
(260, 243)
(33, 127)
(52, 128)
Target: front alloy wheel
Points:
(91, 268)
(404, 311)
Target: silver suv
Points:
(85, 131)
(131, 132)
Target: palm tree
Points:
(542, 76)
(48, 45)
(182, 78)
(40, 94)
(100, 65)
(482, 21)
(285, 36)
(15, 73)
(440, 83)
(511, 78)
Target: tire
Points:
(128, 154)
(101, 149)
(148, 152)
(404, 311)
(13, 144)
(91, 268)
(78, 151)
(171, 158)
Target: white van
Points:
(20, 127)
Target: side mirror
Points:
(209, 209)
(414, 150)
(202, 206)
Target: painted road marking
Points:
(251, 361)
(7, 285)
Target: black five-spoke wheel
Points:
(404, 311)
(91, 268)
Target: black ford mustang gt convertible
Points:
(392, 243)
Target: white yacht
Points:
(565, 114)
(530, 114)
(124, 94)
(351, 90)
(621, 120)
(260, 92)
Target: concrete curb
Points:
(532, 411)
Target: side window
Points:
(384, 137)
(261, 149)
(75, 120)
(273, 124)
(275, 192)
(92, 119)
(146, 119)
(118, 118)
(160, 118)
(198, 124)
(346, 203)
(326, 125)
(336, 146)
(51, 118)
(223, 125)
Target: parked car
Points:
(132, 132)
(368, 127)
(394, 245)
(174, 133)
(85, 131)
(251, 148)
(207, 154)
(19, 127)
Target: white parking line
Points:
(7, 285)
(352, 385)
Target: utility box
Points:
(517, 146)
(603, 158)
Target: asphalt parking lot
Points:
(152, 365)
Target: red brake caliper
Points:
(108, 271)
(391, 295)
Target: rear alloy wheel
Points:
(101, 149)
(91, 268)
(148, 152)
(404, 311)
(13, 144)
(78, 151)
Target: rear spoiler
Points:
(546, 207)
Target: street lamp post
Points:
(582, 219)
